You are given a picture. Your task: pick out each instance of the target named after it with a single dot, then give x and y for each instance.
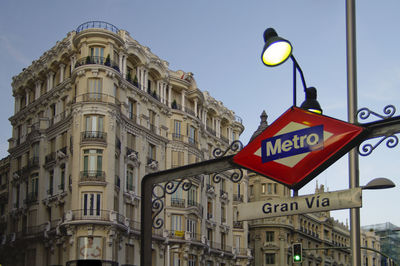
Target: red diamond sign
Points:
(298, 146)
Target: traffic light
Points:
(297, 250)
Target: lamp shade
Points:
(276, 49)
(311, 104)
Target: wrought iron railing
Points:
(176, 202)
(97, 97)
(97, 25)
(92, 175)
(97, 60)
(94, 135)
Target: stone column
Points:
(183, 100)
(124, 66)
(195, 107)
(62, 69)
(38, 84)
(50, 80)
(169, 95)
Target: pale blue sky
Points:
(220, 42)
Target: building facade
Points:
(325, 241)
(93, 115)
(389, 235)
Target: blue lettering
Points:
(292, 143)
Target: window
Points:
(176, 222)
(51, 182)
(129, 253)
(223, 213)
(223, 241)
(152, 152)
(129, 179)
(269, 258)
(92, 162)
(251, 188)
(94, 89)
(152, 121)
(62, 178)
(177, 129)
(192, 135)
(176, 261)
(263, 188)
(132, 109)
(91, 204)
(94, 126)
(35, 184)
(192, 260)
(209, 210)
(191, 226)
(269, 236)
(97, 54)
(192, 196)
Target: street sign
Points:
(298, 146)
(320, 202)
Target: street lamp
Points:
(379, 183)
(275, 52)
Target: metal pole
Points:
(352, 117)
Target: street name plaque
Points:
(320, 202)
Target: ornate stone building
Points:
(93, 115)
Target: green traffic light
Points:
(297, 258)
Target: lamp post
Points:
(275, 52)
(354, 179)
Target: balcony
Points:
(211, 131)
(97, 25)
(209, 216)
(96, 136)
(33, 162)
(177, 137)
(237, 225)
(97, 98)
(31, 198)
(179, 203)
(97, 60)
(92, 176)
(49, 158)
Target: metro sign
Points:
(298, 146)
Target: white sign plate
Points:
(320, 202)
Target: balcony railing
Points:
(94, 136)
(32, 197)
(97, 25)
(210, 130)
(51, 157)
(33, 162)
(176, 202)
(92, 175)
(95, 97)
(97, 60)
(177, 136)
(237, 225)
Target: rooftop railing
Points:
(97, 25)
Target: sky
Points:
(221, 42)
